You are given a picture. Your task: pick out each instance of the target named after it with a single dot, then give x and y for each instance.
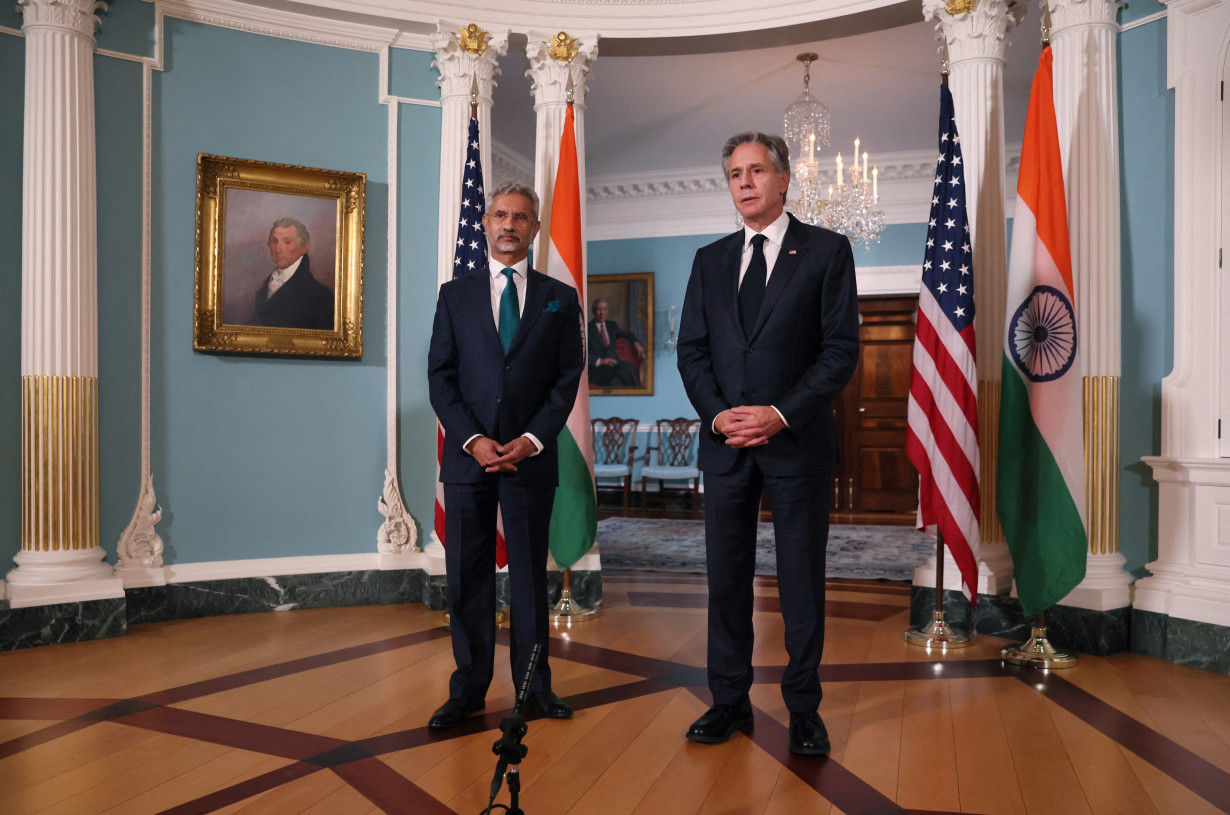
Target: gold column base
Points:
(937, 634)
(59, 463)
(1038, 652)
(567, 612)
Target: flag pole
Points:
(567, 611)
(1037, 651)
(937, 633)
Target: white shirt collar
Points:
(774, 232)
(289, 270)
(497, 269)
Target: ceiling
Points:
(662, 104)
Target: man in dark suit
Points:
(768, 339)
(505, 361)
(291, 297)
(605, 366)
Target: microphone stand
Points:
(509, 747)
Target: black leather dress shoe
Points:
(808, 735)
(721, 721)
(453, 712)
(546, 704)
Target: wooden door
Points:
(875, 482)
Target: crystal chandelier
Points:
(848, 208)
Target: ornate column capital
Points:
(77, 16)
(556, 58)
(1069, 13)
(973, 29)
(464, 53)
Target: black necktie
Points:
(751, 291)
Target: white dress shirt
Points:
(499, 281)
(280, 276)
(774, 234)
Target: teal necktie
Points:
(510, 311)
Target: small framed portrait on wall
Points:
(279, 259)
(620, 334)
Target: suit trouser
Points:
(469, 557)
(800, 527)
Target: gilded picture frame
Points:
(279, 259)
(622, 364)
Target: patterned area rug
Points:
(854, 552)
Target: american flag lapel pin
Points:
(794, 251)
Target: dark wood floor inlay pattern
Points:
(358, 763)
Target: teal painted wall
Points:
(262, 457)
(12, 103)
(418, 224)
(1146, 109)
(117, 128)
(252, 457)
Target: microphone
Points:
(512, 728)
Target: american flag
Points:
(942, 440)
(470, 256)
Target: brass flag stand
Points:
(1037, 651)
(567, 611)
(937, 633)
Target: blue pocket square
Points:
(553, 306)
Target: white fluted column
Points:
(975, 41)
(465, 55)
(61, 559)
(1083, 42)
(555, 60)
(462, 59)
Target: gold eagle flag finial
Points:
(473, 40)
(955, 7)
(562, 47)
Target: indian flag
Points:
(1041, 465)
(574, 520)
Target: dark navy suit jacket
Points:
(799, 356)
(476, 389)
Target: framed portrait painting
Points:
(279, 259)
(620, 334)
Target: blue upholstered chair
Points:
(614, 452)
(671, 456)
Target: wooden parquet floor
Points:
(325, 711)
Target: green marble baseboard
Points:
(100, 619)
(1183, 642)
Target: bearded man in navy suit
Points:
(505, 361)
(767, 340)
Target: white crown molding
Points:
(507, 164)
(287, 25)
(612, 18)
(695, 201)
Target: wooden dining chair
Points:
(614, 452)
(671, 456)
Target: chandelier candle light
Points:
(851, 208)
(848, 208)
